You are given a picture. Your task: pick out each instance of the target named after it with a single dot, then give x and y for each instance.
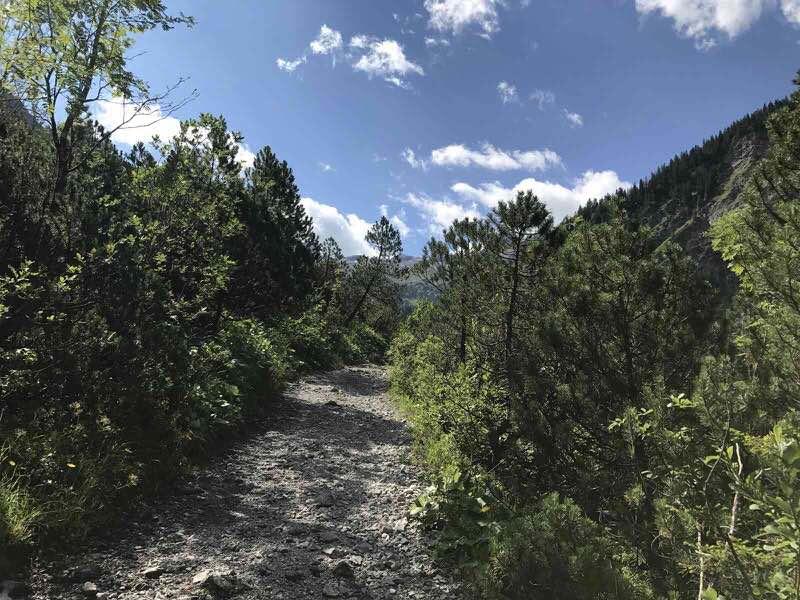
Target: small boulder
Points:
(82, 574)
(295, 529)
(153, 572)
(328, 536)
(89, 589)
(344, 570)
(295, 576)
(216, 582)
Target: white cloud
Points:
(348, 230)
(384, 58)
(325, 167)
(371, 55)
(455, 16)
(328, 41)
(290, 65)
(398, 220)
(131, 123)
(562, 201)
(575, 120)
(401, 225)
(543, 97)
(489, 157)
(791, 10)
(704, 20)
(508, 92)
(440, 213)
(432, 42)
(246, 156)
(411, 158)
(134, 124)
(360, 41)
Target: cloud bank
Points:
(348, 230)
(705, 20)
(560, 200)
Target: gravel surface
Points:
(313, 505)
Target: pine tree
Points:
(372, 276)
(279, 249)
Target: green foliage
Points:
(151, 303)
(278, 251)
(62, 55)
(18, 515)
(463, 507)
(592, 424)
(463, 436)
(372, 284)
(361, 343)
(552, 551)
(773, 492)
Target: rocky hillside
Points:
(682, 198)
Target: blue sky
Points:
(428, 110)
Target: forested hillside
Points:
(152, 302)
(607, 407)
(597, 418)
(681, 199)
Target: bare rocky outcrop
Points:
(313, 505)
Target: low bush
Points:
(361, 343)
(552, 551)
(66, 481)
(508, 547)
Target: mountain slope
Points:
(682, 198)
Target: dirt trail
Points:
(314, 505)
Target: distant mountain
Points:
(682, 198)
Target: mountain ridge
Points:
(683, 197)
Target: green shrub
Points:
(361, 343)
(310, 338)
(464, 439)
(553, 552)
(318, 343)
(70, 479)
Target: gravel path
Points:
(314, 505)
